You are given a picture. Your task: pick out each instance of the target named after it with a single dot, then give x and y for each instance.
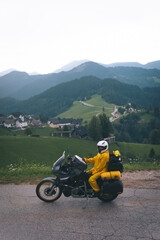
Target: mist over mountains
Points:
(21, 85)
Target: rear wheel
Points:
(107, 197)
(47, 191)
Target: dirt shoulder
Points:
(142, 179)
(136, 179)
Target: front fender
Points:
(52, 179)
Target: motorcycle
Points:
(72, 180)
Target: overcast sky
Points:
(43, 35)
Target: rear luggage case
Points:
(112, 187)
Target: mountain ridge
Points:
(149, 65)
(27, 86)
(59, 98)
(69, 66)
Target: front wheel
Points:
(47, 191)
(107, 197)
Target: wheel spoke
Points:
(47, 191)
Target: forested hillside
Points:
(143, 127)
(59, 98)
(22, 86)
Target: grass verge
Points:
(26, 159)
(32, 174)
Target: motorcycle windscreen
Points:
(59, 161)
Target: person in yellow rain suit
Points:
(100, 165)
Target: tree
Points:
(152, 153)
(28, 131)
(99, 127)
(94, 128)
(121, 110)
(150, 108)
(43, 118)
(155, 136)
(157, 112)
(106, 126)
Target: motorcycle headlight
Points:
(56, 168)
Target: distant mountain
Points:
(58, 99)
(124, 64)
(155, 64)
(70, 66)
(12, 82)
(6, 72)
(74, 64)
(150, 65)
(33, 73)
(20, 85)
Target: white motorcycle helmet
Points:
(102, 146)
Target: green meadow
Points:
(78, 110)
(43, 131)
(25, 159)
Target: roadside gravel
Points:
(136, 179)
(142, 179)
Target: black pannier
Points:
(115, 161)
(112, 187)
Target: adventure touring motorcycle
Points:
(72, 180)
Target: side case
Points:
(112, 187)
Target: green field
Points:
(78, 110)
(141, 150)
(41, 150)
(46, 131)
(27, 158)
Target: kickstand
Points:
(85, 205)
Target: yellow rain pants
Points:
(100, 165)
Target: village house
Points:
(79, 132)
(53, 123)
(16, 115)
(68, 125)
(36, 123)
(9, 123)
(33, 121)
(18, 120)
(60, 123)
(21, 123)
(72, 127)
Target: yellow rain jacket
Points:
(100, 162)
(100, 166)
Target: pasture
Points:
(25, 158)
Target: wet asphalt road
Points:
(134, 215)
